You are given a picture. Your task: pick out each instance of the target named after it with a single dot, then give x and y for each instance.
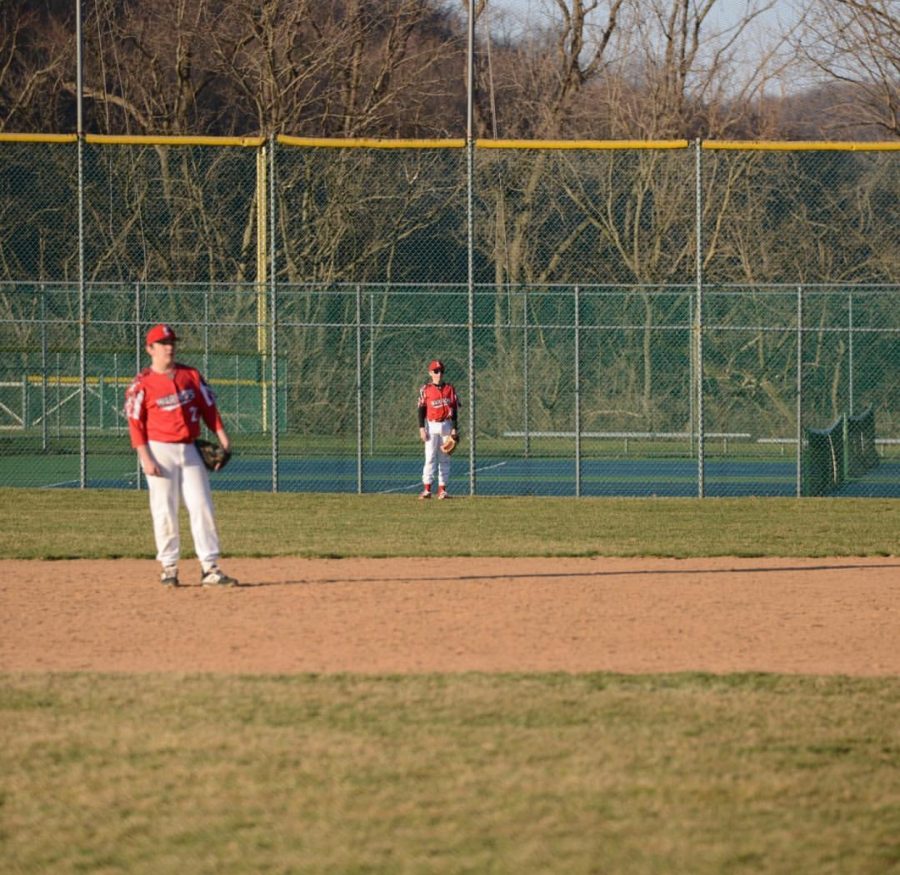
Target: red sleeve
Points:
(136, 412)
(208, 409)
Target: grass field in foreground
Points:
(71, 523)
(464, 773)
(470, 773)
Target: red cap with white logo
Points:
(161, 333)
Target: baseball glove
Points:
(213, 456)
(450, 444)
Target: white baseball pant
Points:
(435, 432)
(183, 476)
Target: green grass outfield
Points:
(61, 523)
(592, 773)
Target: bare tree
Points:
(236, 67)
(348, 69)
(684, 73)
(145, 70)
(35, 56)
(856, 43)
(539, 79)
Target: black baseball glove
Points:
(213, 456)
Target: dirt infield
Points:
(809, 616)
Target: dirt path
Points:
(811, 616)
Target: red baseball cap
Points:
(161, 333)
(433, 366)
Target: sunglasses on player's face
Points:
(437, 371)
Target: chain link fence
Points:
(643, 319)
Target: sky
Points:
(726, 13)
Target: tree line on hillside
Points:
(396, 68)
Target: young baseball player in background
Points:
(165, 405)
(438, 413)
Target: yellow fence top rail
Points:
(166, 140)
(337, 143)
(37, 138)
(459, 143)
(369, 143)
(800, 146)
(134, 139)
(582, 144)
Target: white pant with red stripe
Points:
(434, 455)
(183, 477)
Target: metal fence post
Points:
(470, 233)
(273, 333)
(698, 320)
(359, 392)
(262, 260)
(44, 384)
(692, 400)
(852, 399)
(138, 347)
(577, 393)
(206, 293)
(799, 488)
(116, 384)
(371, 373)
(237, 389)
(471, 316)
(82, 308)
(82, 327)
(525, 370)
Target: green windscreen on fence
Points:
(844, 450)
(859, 444)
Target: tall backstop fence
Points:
(644, 318)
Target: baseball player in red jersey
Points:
(438, 413)
(165, 405)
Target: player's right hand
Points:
(423, 434)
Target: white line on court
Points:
(419, 485)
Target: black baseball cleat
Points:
(169, 576)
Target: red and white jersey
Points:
(169, 407)
(438, 401)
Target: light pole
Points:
(470, 235)
(82, 310)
